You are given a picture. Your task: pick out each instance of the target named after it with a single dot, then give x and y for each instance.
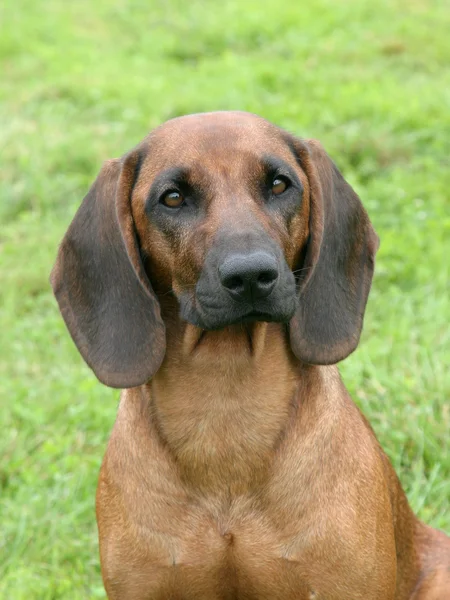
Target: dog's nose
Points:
(249, 276)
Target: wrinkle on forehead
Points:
(215, 122)
(221, 142)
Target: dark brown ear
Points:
(102, 289)
(338, 264)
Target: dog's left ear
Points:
(338, 263)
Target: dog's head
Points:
(240, 220)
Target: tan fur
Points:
(238, 471)
(247, 469)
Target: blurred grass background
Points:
(84, 81)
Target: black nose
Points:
(249, 276)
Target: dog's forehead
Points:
(230, 138)
(224, 124)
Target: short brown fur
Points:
(235, 469)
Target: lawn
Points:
(84, 81)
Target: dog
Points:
(217, 273)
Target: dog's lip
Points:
(255, 315)
(252, 316)
(211, 315)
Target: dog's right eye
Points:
(172, 199)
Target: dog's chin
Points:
(213, 320)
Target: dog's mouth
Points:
(213, 317)
(255, 316)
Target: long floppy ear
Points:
(103, 292)
(338, 264)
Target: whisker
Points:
(302, 269)
(189, 286)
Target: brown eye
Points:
(172, 199)
(278, 186)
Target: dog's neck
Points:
(222, 401)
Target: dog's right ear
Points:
(99, 281)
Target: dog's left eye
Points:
(279, 185)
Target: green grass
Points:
(84, 81)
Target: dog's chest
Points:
(242, 555)
(295, 535)
(227, 558)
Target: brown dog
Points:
(215, 271)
